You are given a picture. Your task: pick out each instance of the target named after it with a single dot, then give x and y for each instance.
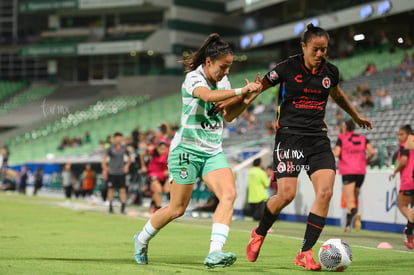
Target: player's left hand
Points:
(363, 122)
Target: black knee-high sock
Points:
(410, 227)
(350, 216)
(314, 227)
(266, 222)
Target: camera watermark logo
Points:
(54, 109)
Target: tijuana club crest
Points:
(326, 82)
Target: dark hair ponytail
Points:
(311, 31)
(407, 128)
(350, 125)
(212, 47)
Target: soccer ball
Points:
(335, 255)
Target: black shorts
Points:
(116, 181)
(292, 153)
(358, 179)
(409, 193)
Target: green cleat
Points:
(219, 259)
(140, 251)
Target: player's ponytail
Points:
(212, 47)
(312, 30)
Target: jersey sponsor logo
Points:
(282, 154)
(305, 102)
(281, 167)
(212, 126)
(298, 78)
(183, 173)
(326, 82)
(306, 90)
(195, 83)
(273, 75)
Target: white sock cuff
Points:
(147, 233)
(150, 230)
(220, 229)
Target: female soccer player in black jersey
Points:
(306, 80)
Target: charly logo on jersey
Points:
(298, 78)
(273, 75)
(326, 82)
(183, 173)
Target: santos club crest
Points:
(183, 173)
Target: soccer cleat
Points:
(357, 223)
(408, 240)
(254, 245)
(219, 259)
(140, 251)
(347, 229)
(306, 260)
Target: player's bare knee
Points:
(325, 194)
(228, 198)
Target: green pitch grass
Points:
(45, 236)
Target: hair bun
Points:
(310, 26)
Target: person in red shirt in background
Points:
(88, 178)
(157, 170)
(406, 195)
(351, 149)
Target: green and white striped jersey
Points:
(200, 131)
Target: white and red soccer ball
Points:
(335, 255)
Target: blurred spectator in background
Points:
(88, 178)
(257, 193)
(174, 129)
(405, 69)
(135, 137)
(157, 171)
(273, 182)
(404, 73)
(367, 101)
(10, 180)
(259, 108)
(339, 120)
(77, 186)
(251, 118)
(107, 142)
(209, 206)
(351, 149)
(87, 138)
(271, 127)
(370, 69)
(67, 181)
(386, 101)
(38, 180)
(116, 169)
(4, 159)
(23, 180)
(406, 191)
(161, 133)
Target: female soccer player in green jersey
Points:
(196, 150)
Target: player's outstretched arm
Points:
(339, 97)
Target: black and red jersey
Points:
(303, 95)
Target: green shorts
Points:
(185, 167)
